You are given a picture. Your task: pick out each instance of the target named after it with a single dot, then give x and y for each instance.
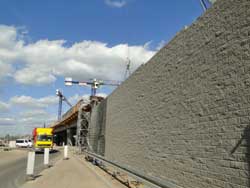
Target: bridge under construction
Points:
(182, 119)
(74, 127)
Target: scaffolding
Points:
(90, 126)
(82, 128)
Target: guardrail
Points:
(151, 182)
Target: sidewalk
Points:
(73, 173)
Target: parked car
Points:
(23, 143)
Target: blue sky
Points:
(41, 42)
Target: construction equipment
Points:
(83, 127)
(93, 83)
(128, 71)
(206, 3)
(42, 138)
(128, 66)
(61, 98)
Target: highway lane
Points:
(13, 174)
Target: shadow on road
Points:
(42, 152)
(37, 176)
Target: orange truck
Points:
(42, 138)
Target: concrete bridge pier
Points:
(71, 133)
(60, 138)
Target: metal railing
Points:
(148, 181)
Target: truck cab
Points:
(42, 138)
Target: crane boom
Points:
(66, 100)
(94, 83)
(61, 99)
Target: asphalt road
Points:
(13, 175)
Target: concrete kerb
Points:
(80, 159)
(114, 175)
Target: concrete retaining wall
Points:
(96, 133)
(184, 116)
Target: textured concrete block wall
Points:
(96, 133)
(184, 116)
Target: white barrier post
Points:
(30, 165)
(66, 153)
(46, 157)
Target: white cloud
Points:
(160, 45)
(5, 70)
(33, 76)
(49, 100)
(7, 121)
(10, 43)
(43, 61)
(24, 122)
(116, 3)
(4, 107)
(104, 95)
(29, 102)
(8, 36)
(75, 98)
(35, 117)
(32, 112)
